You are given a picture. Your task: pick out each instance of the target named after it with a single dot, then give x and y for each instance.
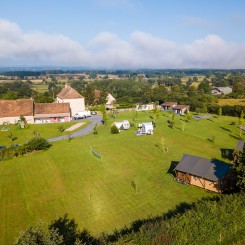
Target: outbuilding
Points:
(207, 174)
(166, 106)
(52, 112)
(11, 110)
(181, 109)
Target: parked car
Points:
(82, 114)
(93, 112)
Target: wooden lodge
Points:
(204, 173)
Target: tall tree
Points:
(240, 170)
(89, 94)
(103, 96)
(37, 235)
(220, 114)
(241, 122)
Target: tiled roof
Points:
(180, 107)
(15, 108)
(69, 93)
(168, 103)
(51, 108)
(209, 169)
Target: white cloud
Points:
(108, 50)
(36, 48)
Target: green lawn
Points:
(98, 193)
(45, 130)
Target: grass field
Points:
(98, 193)
(40, 88)
(45, 130)
(231, 102)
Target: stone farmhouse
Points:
(67, 104)
(71, 96)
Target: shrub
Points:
(7, 153)
(61, 128)
(114, 129)
(37, 144)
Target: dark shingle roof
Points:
(209, 169)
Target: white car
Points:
(82, 115)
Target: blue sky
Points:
(123, 33)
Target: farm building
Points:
(204, 173)
(221, 90)
(166, 106)
(239, 148)
(70, 95)
(11, 110)
(181, 109)
(52, 112)
(69, 102)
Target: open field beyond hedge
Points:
(98, 193)
(231, 102)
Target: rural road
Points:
(95, 119)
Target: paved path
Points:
(95, 119)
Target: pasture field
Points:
(40, 88)
(2, 81)
(199, 78)
(231, 102)
(45, 130)
(98, 193)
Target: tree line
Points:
(139, 89)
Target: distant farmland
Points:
(231, 102)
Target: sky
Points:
(125, 34)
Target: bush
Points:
(114, 129)
(37, 144)
(8, 153)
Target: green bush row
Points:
(35, 144)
